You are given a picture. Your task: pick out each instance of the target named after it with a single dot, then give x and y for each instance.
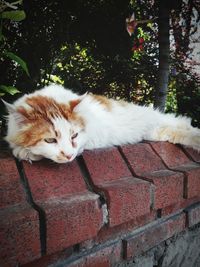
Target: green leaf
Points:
(16, 15)
(18, 60)
(9, 89)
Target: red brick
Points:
(105, 257)
(194, 154)
(72, 220)
(193, 215)
(127, 199)
(166, 211)
(176, 159)
(19, 235)
(73, 214)
(126, 196)
(192, 183)
(142, 158)
(172, 155)
(147, 164)
(151, 236)
(19, 222)
(101, 257)
(108, 233)
(11, 192)
(105, 165)
(50, 180)
(168, 187)
(50, 260)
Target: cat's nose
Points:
(67, 156)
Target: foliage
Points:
(188, 95)
(185, 24)
(13, 16)
(84, 45)
(77, 68)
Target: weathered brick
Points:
(72, 220)
(192, 181)
(193, 215)
(194, 154)
(105, 257)
(51, 260)
(127, 199)
(168, 187)
(142, 159)
(147, 164)
(11, 190)
(108, 233)
(49, 180)
(186, 202)
(153, 235)
(73, 214)
(175, 159)
(172, 155)
(19, 222)
(105, 165)
(19, 235)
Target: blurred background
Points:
(84, 45)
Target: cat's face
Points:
(49, 129)
(61, 142)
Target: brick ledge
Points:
(91, 208)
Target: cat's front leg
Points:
(25, 154)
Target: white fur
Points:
(123, 123)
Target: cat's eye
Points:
(50, 140)
(74, 136)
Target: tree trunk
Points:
(164, 49)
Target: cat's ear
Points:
(19, 118)
(10, 107)
(74, 103)
(83, 96)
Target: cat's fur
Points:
(46, 123)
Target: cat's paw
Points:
(33, 157)
(25, 154)
(20, 153)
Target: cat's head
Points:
(47, 128)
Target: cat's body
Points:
(55, 123)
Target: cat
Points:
(57, 124)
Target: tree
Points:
(164, 11)
(164, 54)
(84, 45)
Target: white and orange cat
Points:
(58, 124)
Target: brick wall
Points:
(103, 209)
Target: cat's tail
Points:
(188, 136)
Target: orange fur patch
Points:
(44, 108)
(34, 133)
(106, 102)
